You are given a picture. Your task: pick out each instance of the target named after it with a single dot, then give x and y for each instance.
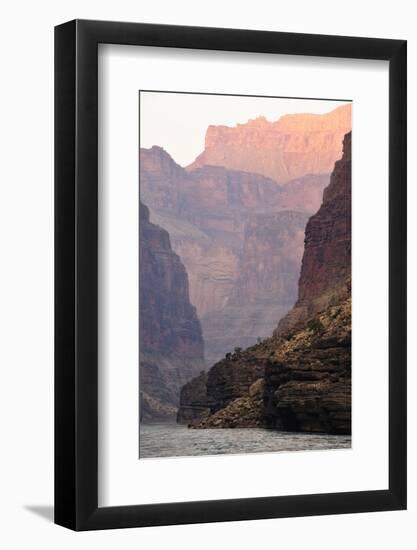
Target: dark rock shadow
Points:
(45, 512)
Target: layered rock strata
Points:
(326, 264)
(225, 382)
(308, 380)
(265, 288)
(194, 401)
(308, 377)
(291, 147)
(306, 364)
(222, 224)
(170, 339)
(205, 212)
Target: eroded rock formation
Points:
(265, 288)
(205, 214)
(194, 401)
(306, 364)
(308, 377)
(326, 264)
(170, 339)
(291, 147)
(218, 221)
(204, 399)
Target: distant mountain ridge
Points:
(291, 147)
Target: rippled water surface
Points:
(163, 440)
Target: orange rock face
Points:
(293, 146)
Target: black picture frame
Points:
(76, 273)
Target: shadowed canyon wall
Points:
(171, 343)
(326, 264)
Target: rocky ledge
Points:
(243, 412)
(308, 377)
(221, 389)
(298, 383)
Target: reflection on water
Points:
(170, 439)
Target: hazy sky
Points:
(178, 122)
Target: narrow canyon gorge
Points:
(233, 260)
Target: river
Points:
(170, 439)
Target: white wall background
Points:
(26, 300)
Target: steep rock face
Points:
(326, 264)
(271, 257)
(242, 412)
(291, 147)
(306, 364)
(171, 344)
(304, 194)
(211, 267)
(227, 381)
(213, 270)
(194, 405)
(211, 197)
(266, 286)
(308, 377)
(160, 179)
(231, 378)
(205, 212)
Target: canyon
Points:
(245, 271)
(218, 221)
(299, 379)
(266, 285)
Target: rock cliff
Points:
(306, 365)
(265, 288)
(205, 214)
(212, 267)
(204, 399)
(308, 377)
(291, 147)
(326, 264)
(194, 401)
(170, 339)
(211, 215)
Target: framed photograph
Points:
(230, 253)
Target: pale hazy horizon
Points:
(178, 121)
